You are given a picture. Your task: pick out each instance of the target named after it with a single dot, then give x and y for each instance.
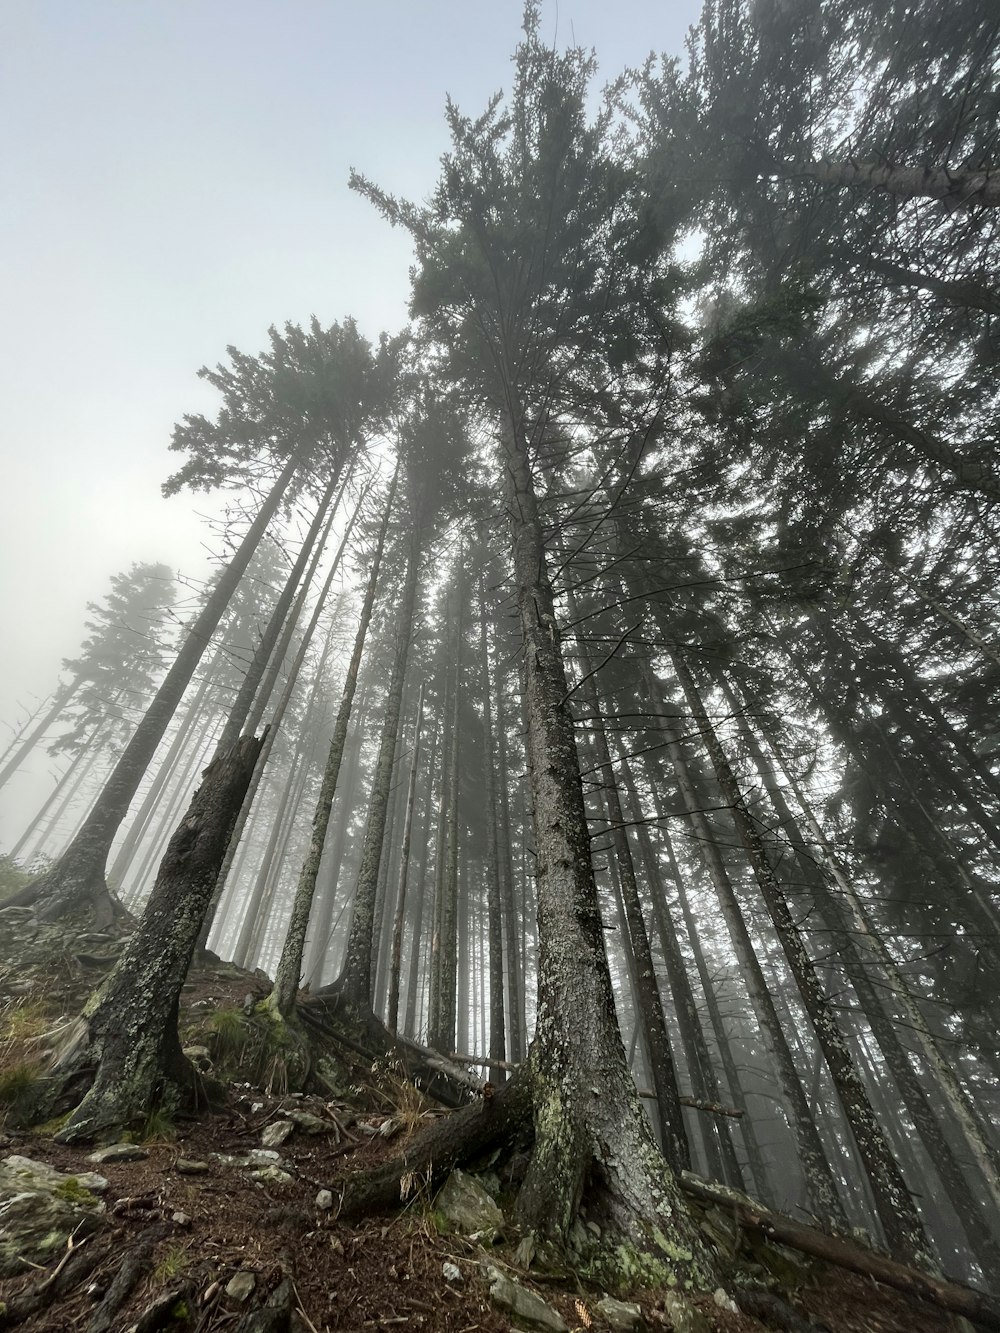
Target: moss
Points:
(180, 1311)
(71, 1190)
(439, 1222)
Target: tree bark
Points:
(590, 1130)
(128, 1030)
(958, 189)
(392, 1008)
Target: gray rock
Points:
(467, 1206)
(522, 1304)
(324, 1200)
(240, 1286)
(181, 1219)
(451, 1273)
(684, 1316)
(118, 1152)
(310, 1124)
(622, 1316)
(272, 1175)
(189, 1166)
(274, 1134)
(40, 1208)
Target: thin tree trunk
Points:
(893, 1202)
(957, 189)
(59, 702)
(355, 982)
(392, 1008)
(286, 980)
(491, 855)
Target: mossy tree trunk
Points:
(128, 1031)
(591, 1135)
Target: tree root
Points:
(74, 1269)
(978, 1306)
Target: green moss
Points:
(439, 1222)
(71, 1190)
(180, 1311)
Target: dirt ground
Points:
(193, 1233)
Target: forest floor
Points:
(191, 1215)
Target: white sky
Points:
(175, 180)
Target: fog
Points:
(176, 179)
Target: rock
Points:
(272, 1175)
(274, 1134)
(118, 1152)
(389, 1128)
(255, 1157)
(622, 1316)
(189, 1166)
(451, 1273)
(523, 1305)
(723, 1301)
(200, 1057)
(324, 1200)
(684, 1316)
(40, 1208)
(467, 1206)
(310, 1124)
(264, 1155)
(240, 1286)
(180, 1219)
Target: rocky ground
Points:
(229, 1220)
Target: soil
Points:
(382, 1273)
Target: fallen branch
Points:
(955, 1297)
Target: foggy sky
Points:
(175, 181)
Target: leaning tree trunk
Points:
(286, 979)
(820, 1184)
(591, 1134)
(354, 985)
(263, 698)
(78, 875)
(128, 1031)
(956, 189)
(893, 1202)
(59, 702)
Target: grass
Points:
(24, 1021)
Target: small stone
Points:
(240, 1286)
(622, 1316)
(255, 1107)
(272, 1175)
(259, 1155)
(522, 1304)
(180, 1219)
(389, 1128)
(118, 1152)
(189, 1166)
(451, 1273)
(467, 1206)
(724, 1301)
(324, 1200)
(90, 1180)
(685, 1317)
(310, 1124)
(276, 1132)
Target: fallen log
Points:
(428, 1157)
(978, 1306)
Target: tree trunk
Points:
(129, 1028)
(24, 748)
(590, 1130)
(286, 978)
(355, 982)
(491, 854)
(820, 1184)
(893, 1201)
(78, 875)
(392, 1007)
